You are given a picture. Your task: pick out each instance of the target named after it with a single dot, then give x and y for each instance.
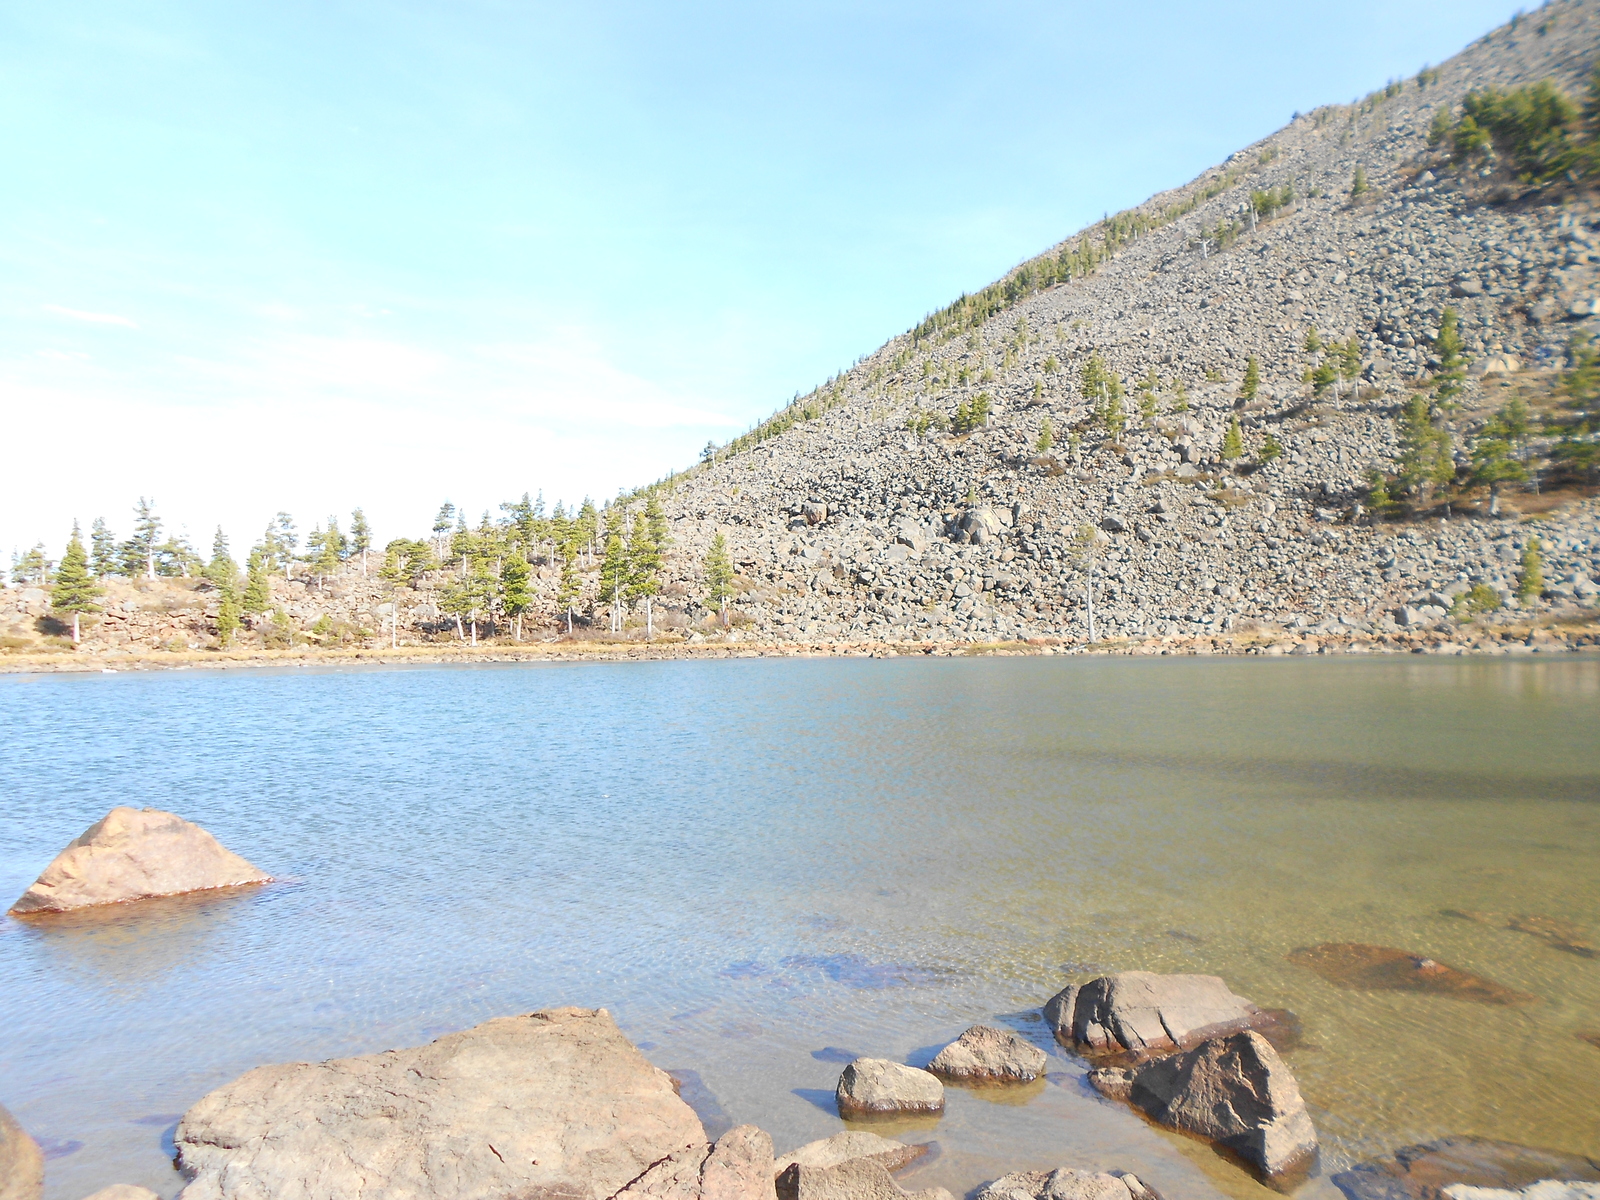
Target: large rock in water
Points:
(130, 854)
(984, 1054)
(858, 1179)
(1433, 1169)
(21, 1162)
(554, 1104)
(876, 1087)
(1064, 1183)
(738, 1167)
(1237, 1092)
(123, 1191)
(1142, 1014)
(849, 1145)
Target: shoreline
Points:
(1515, 641)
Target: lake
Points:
(764, 867)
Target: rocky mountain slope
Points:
(865, 516)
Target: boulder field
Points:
(132, 854)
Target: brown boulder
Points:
(556, 1103)
(858, 1179)
(1424, 1171)
(852, 1144)
(130, 854)
(1383, 968)
(877, 1087)
(984, 1054)
(1140, 1014)
(1065, 1183)
(21, 1162)
(738, 1167)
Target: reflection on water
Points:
(765, 869)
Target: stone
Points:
(857, 1179)
(21, 1162)
(872, 1086)
(1234, 1091)
(123, 1191)
(555, 1103)
(738, 1167)
(852, 1144)
(1141, 1014)
(131, 854)
(984, 1054)
(1545, 1189)
(1066, 1183)
(1424, 1171)
(1383, 968)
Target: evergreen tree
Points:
(614, 578)
(1046, 437)
(1252, 380)
(257, 582)
(442, 524)
(221, 570)
(175, 557)
(139, 551)
(31, 567)
(659, 532)
(360, 537)
(1530, 586)
(1313, 342)
(1358, 185)
(1349, 357)
(75, 590)
(279, 542)
(587, 528)
(1494, 461)
(514, 590)
(103, 557)
(567, 591)
(644, 567)
(322, 547)
(1426, 460)
(227, 615)
(1452, 370)
(1232, 442)
(1378, 498)
(1323, 376)
(1271, 448)
(719, 574)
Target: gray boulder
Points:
(849, 1145)
(738, 1167)
(1545, 1189)
(1236, 1092)
(1143, 1014)
(21, 1162)
(1065, 1183)
(874, 1086)
(984, 1054)
(553, 1103)
(858, 1179)
(977, 525)
(130, 854)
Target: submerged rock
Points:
(1545, 1189)
(130, 854)
(1383, 968)
(1559, 935)
(1064, 1183)
(553, 1103)
(123, 1191)
(984, 1054)
(737, 1167)
(1424, 1171)
(1236, 1092)
(858, 1179)
(848, 1146)
(1141, 1013)
(21, 1162)
(876, 1086)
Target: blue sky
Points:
(308, 256)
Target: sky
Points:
(310, 255)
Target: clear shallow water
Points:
(762, 867)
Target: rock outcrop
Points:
(1065, 1183)
(1383, 968)
(556, 1103)
(848, 1146)
(1234, 1091)
(131, 854)
(21, 1162)
(858, 1179)
(1431, 1169)
(875, 1087)
(738, 1167)
(984, 1054)
(1142, 1014)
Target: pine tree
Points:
(1448, 347)
(279, 543)
(1358, 185)
(719, 574)
(1232, 442)
(1313, 342)
(567, 589)
(257, 582)
(516, 595)
(1425, 460)
(659, 533)
(1252, 380)
(614, 578)
(75, 590)
(323, 549)
(588, 526)
(1530, 586)
(644, 567)
(221, 570)
(442, 524)
(139, 551)
(1378, 498)
(360, 537)
(1271, 448)
(31, 567)
(1046, 437)
(103, 559)
(227, 615)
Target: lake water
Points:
(762, 867)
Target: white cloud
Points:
(78, 314)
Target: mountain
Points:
(916, 495)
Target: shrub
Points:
(1479, 598)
